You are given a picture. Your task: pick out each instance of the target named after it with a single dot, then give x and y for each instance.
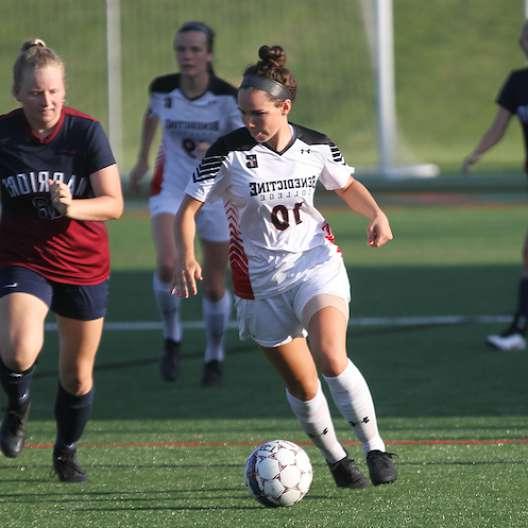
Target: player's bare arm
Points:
(490, 138)
(150, 125)
(187, 270)
(106, 205)
(359, 200)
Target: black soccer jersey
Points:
(514, 98)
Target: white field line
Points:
(425, 320)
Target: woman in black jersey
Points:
(512, 100)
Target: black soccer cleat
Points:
(347, 475)
(12, 430)
(66, 466)
(170, 360)
(381, 467)
(212, 373)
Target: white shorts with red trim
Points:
(276, 320)
(211, 222)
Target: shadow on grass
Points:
(413, 371)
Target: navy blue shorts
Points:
(68, 300)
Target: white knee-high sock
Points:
(316, 422)
(352, 397)
(169, 308)
(216, 317)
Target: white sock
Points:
(316, 422)
(216, 317)
(169, 308)
(352, 397)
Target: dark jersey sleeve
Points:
(99, 152)
(507, 95)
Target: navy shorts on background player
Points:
(84, 303)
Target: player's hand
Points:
(185, 279)
(136, 175)
(379, 231)
(60, 195)
(468, 162)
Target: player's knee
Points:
(166, 271)
(16, 364)
(331, 365)
(76, 384)
(303, 389)
(20, 354)
(215, 293)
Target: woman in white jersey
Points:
(288, 275)
(195, 108)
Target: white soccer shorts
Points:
(276, 320)
(211, 222)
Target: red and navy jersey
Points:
(32, 233)
(513, 96)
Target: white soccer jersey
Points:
(276, 234)
(188, 125)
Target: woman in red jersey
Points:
(58, 182)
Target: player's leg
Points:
(514, 337)
(80, 314)
(79, 341)
(350, 392)
(322, 306)
(216, 306)
(169, 305)
(294, 362)
(24, 302)
(272, 323)
(212, 228)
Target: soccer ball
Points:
(278, 473)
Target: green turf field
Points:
(172, 455)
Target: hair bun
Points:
(273, 55)
(31, 43)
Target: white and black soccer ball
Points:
(278, 473)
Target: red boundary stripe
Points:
(183, 444)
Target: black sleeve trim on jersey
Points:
(312, 137)
(165, 83)
(336, 153)
(238, 140)
(220, 87)
(208, 168)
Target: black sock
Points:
(72, 414)
(16, 385)
(520, 319)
